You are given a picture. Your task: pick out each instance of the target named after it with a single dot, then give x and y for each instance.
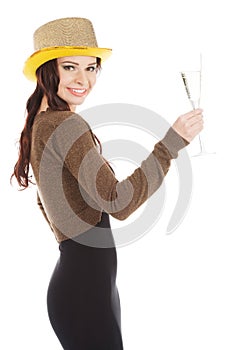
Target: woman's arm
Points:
(75, 145)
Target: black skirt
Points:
(83, 301)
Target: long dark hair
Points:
(47, 85)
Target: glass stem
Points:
(199, 136)
(201, 143)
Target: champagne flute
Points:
(192, 80)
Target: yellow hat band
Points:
(46, 54)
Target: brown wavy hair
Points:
(47, 85)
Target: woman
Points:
(77, 189)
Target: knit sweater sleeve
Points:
(74, 144)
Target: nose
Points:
(81, 78)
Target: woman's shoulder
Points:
(50, 119)
(50, 116)
(61, 125)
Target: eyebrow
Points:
(77, 64)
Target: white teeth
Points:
(79, 91)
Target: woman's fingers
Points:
(189, 125)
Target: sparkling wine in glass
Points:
(192, 82)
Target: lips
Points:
(78, 92)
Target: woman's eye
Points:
(92, 69)
(69, 68)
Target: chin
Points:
(74, 105)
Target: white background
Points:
(176, 291)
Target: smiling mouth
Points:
(78, 92)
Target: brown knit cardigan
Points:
(75, 183)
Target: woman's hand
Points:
(189, 125)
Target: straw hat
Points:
(72, 36)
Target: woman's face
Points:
(77, 77)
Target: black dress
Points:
(83, 301)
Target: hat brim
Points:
(49, 53)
